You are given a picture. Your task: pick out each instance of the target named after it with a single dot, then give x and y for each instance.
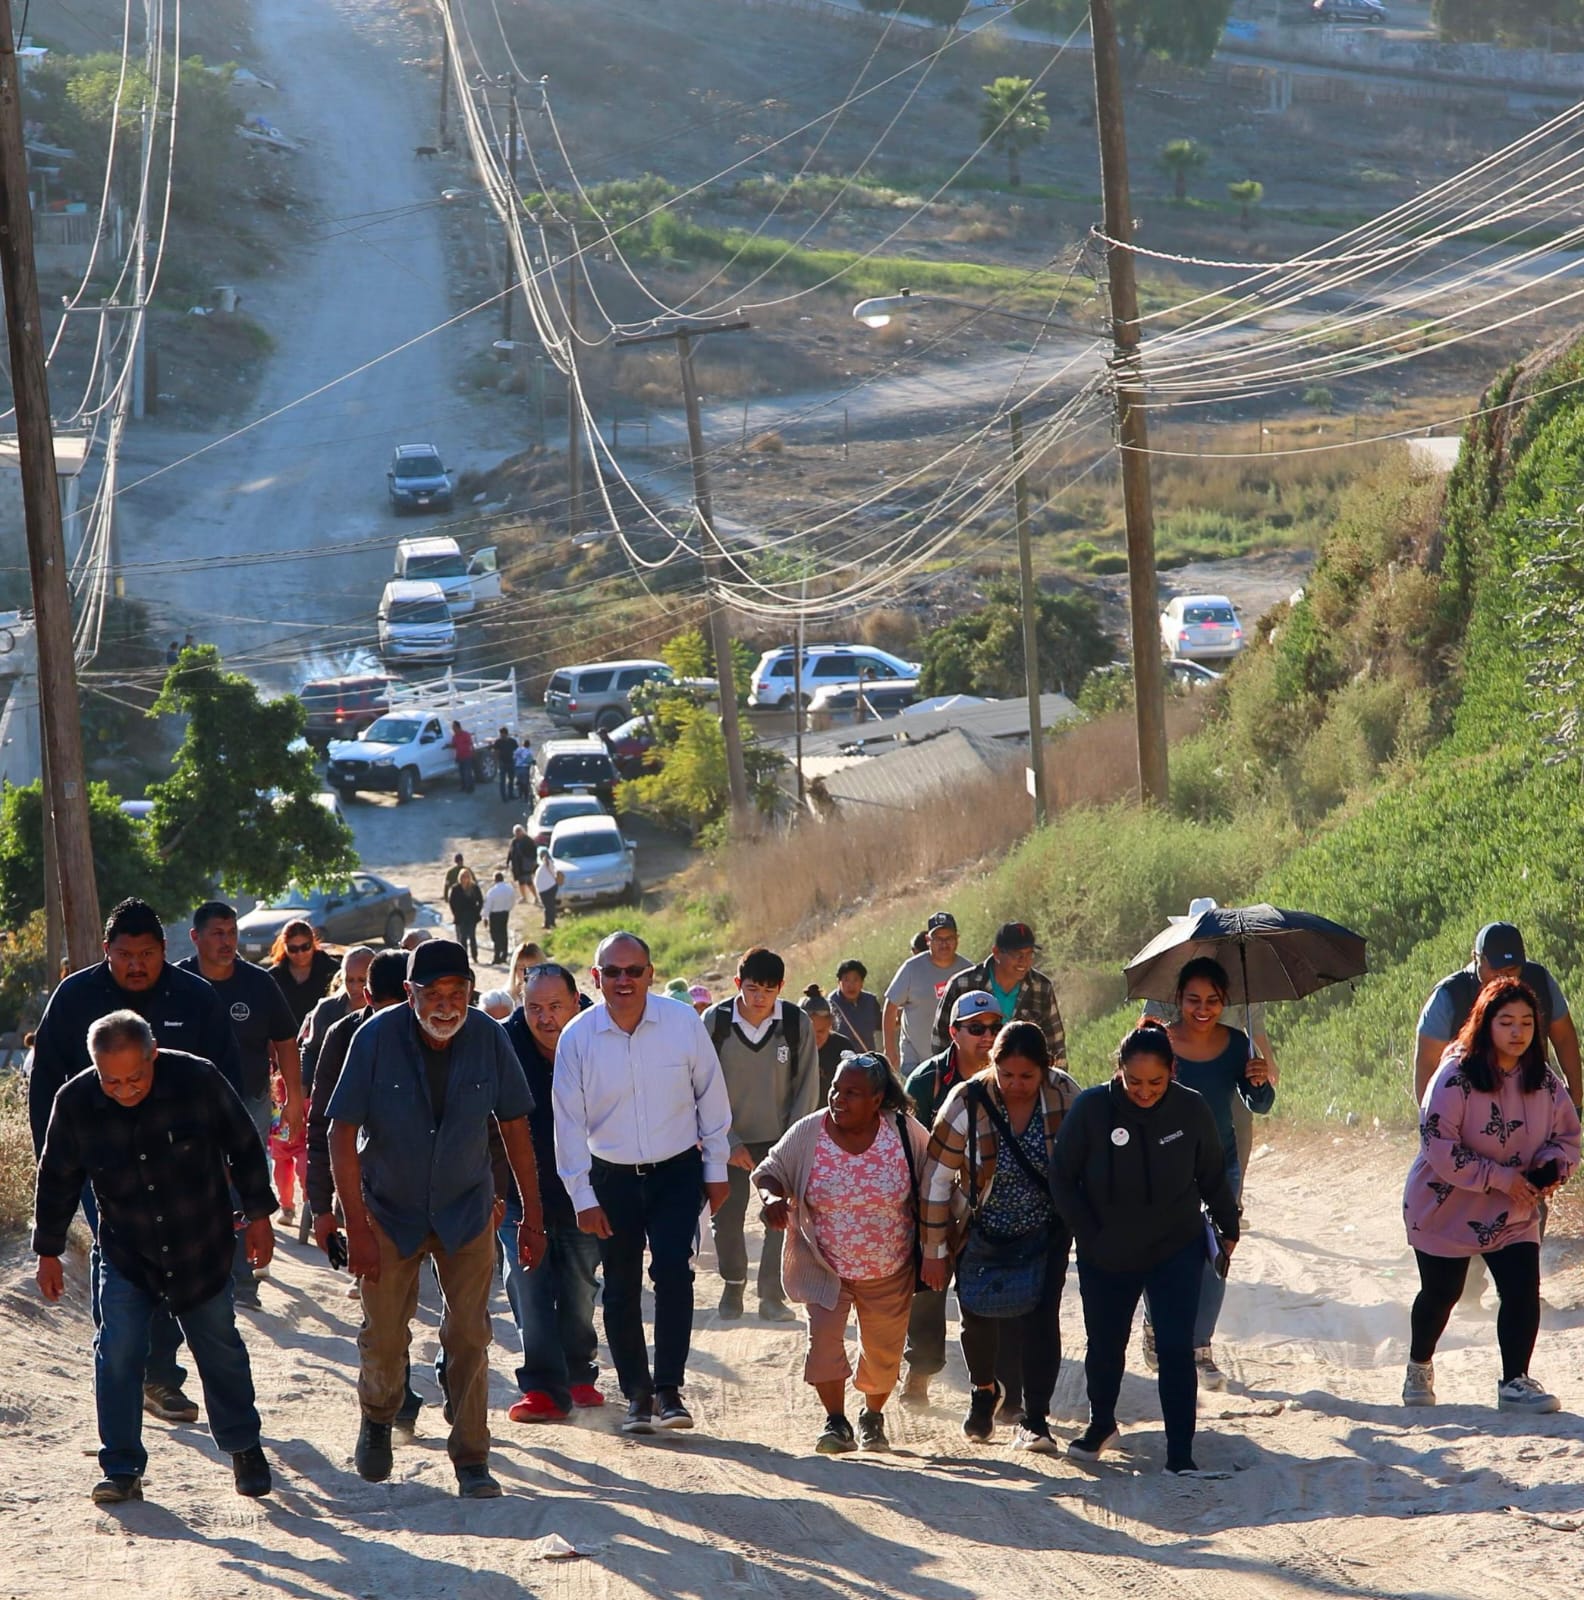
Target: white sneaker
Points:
(1419, 1384)
(1151, 1359)
(1210, 1375)
(1524, 1394)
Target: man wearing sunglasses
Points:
(975, 1021)
(642, 1135)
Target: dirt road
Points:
(1332, 1488)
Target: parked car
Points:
(543, 818)
(775, 680)
(598, 695)
(341, 708)
(576, 766)
(595, 861)
(837, 704)
(417, 480)
(415, 622)
(1201, 627)
(464, 582)
(629, 744)
(361, 909)
(1371, 11)
(1191, 674)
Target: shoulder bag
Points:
(1000, 1278)
(918, 1203)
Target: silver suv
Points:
(597, 695)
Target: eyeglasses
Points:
(298, 949)
(978, 1029)
(623, 972)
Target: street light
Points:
(1148, 688)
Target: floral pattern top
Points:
(1471, 1143)
(861, 1206)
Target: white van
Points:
(415, 622)
(438, 558)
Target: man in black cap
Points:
(1498, 953)
(915, 992)
(1021, 993)
(409, 1148)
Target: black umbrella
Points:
(1269, 954)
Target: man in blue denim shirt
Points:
(409, 1147)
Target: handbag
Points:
(1000, 1278)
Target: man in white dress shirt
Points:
(642, 1132)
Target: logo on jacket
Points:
(240, 1011)
(783, 1055)
(1168, 1138)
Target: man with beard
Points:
(409, 1149)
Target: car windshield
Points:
(418, 467)
(583, 846)
(410, 611)
(580, 769)
(393, 730)
(575, 806)
(448, 564)
(1201, 614)
(294, 898)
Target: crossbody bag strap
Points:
(1011, 1141)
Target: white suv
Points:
(775, 681)
(439, 559)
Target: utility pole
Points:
(445, 89)
(709, 553)
(1031, 671)
(1132, 429)
(66, 798)
(574, 411)
(140, 245)
(511, 260)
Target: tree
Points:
(1013, 119)
(1180, 157)
(240, 802)
(1186, 31)
(982, 653)
(1554, 24)
(1248, 194)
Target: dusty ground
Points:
(1332, 1488)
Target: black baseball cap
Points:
(1501, 944)
(438, 958)
(941, 919)
(1015, 936)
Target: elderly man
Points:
(1021, 993)
(642, 1137)
(409, 1148)
(165, 1237)
(916, 990)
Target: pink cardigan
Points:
(1470, 1141)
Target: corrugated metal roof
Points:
(992, 719)
(906, 774)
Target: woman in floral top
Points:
(1497, 1135)
(840, 1183)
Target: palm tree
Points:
(1180, 157)
(1248, 194)
(1014, 119)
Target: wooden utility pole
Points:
(511, 260)
(445, 88)
(66, 797)
(574, 410)
(709, 554)
(1132, 429)
(1031, 671)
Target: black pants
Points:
(1171, 1288)
(926, 1344)
(500, 935)
(508, 778)
(467, 936)
(548, 899)
(1036, 1336)
(660, 1209)
(1514, 1270)
(731, 1248)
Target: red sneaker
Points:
(585, 1395)
(536, 1406)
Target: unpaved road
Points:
(1333, 1489)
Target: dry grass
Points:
(16, 1157)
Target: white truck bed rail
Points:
(481, 705)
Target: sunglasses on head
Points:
(623, 972)
(298, 949)
(978, 1029)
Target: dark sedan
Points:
(362, 909)
(629, 744)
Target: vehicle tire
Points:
(347, 791)
(609, 718)
(394, 929)
(484, 765)
(406, 785)
(633, 895)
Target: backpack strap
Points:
(791, 1026)
(720, 1024)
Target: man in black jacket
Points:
(184, 1013)
(165, 1234)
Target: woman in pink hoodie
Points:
(1497, 1135)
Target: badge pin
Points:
(1120, 1136)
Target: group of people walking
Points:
(932, 1139)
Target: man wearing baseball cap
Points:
(1498, 953)
(1021, 993)
(976, 1020)
(410, 1151)
(916, 990)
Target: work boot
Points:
(731, 1302)
(915, 1391)
(372, 1458)
(251, 1469)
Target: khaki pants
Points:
(881, 1306)
(466, 1278)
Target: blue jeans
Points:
(554, 1309)
(1212, 1290)
(165, 1336)
(260, 1110)
(121, 1348)
(1171, 1290)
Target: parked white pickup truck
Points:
(409, 747)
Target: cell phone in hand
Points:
(1542, 1177)
(336, 1251)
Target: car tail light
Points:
(571, 702)
(544, 788)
